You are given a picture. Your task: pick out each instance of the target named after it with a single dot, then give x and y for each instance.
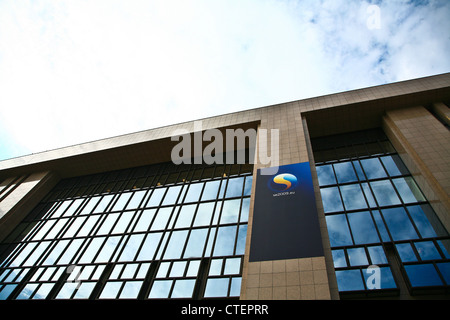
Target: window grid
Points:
(111, 220)
(371, 201)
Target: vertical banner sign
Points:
(285, 221)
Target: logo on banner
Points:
(283, 184)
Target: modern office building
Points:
(343, 196)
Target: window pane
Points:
(339, 258)
(234, 187)
(444, 268)
(131, 248)
(408, 190)
(162, 217)
(394, 165)
(368, 194)
(344, 172)
(248, 185)
(185, 216)
(377, 255)
(211, 189)
(235, 288)
(84, 291)
(386, 279)
(149, 247)
(232, 266)
(123, 222)
(172, 195)
(155, 198)
(399, 224)
(131, 290)
(427, 250)
(421, 275)
(161, 289)
(325, 175)
(217, 287)
(359, 170)
(230, 211)
(242, 235)
(331, 199)
(108, 249)
(353, 197)
(136, 199)
(406, 252)
(381, 226)
(349, 280)
(196, 243)
(384, 193)
(373, 168)
(103, 204)
(338, 230)
(204, 214)
(193, 193)
(145, 220)
(183, 288)
(110, 290)
(88, 226)
(225, 241)
(362, 227)
(108, 223)
(176, 245)
(122, 201)
(357, 257)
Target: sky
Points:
(74, 71)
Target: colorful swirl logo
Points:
(283, 182)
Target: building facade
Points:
(344, 196)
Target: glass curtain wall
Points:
(377, 217)
(155, 232)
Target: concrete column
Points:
(290, 279)
(423, 143)
(23, 198)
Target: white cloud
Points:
(75, 71)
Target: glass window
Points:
(185, 216)
(427, 250)
(363, 228)
(211, 189)
(339, 258)
(357, 257)
(145, 220)
(183, 288)
(349, 280)
(234, 187)
(193, 193)
(399, 224)
(406, 252)
(230, 211)
(161, 219)
(123, 222)
(338, 230)
(384, 193)
(325, 175)
(373, 168)
(408, 190)
(345, 172)
(331, 199)
(217, 287)
(111, 290)
(176, 244)
(131, 248)
(224, 245)
(136, 199)
(385, 280)
(156, 196)
(422, 275)
(444, 269)
(204, 214)
(377, 255)
(160, 289)
(172, 195)
(131, 289)
(353, 197)
(196, 243)
(122, 201)
(394, 165)
(149, 246)
(248, 185)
